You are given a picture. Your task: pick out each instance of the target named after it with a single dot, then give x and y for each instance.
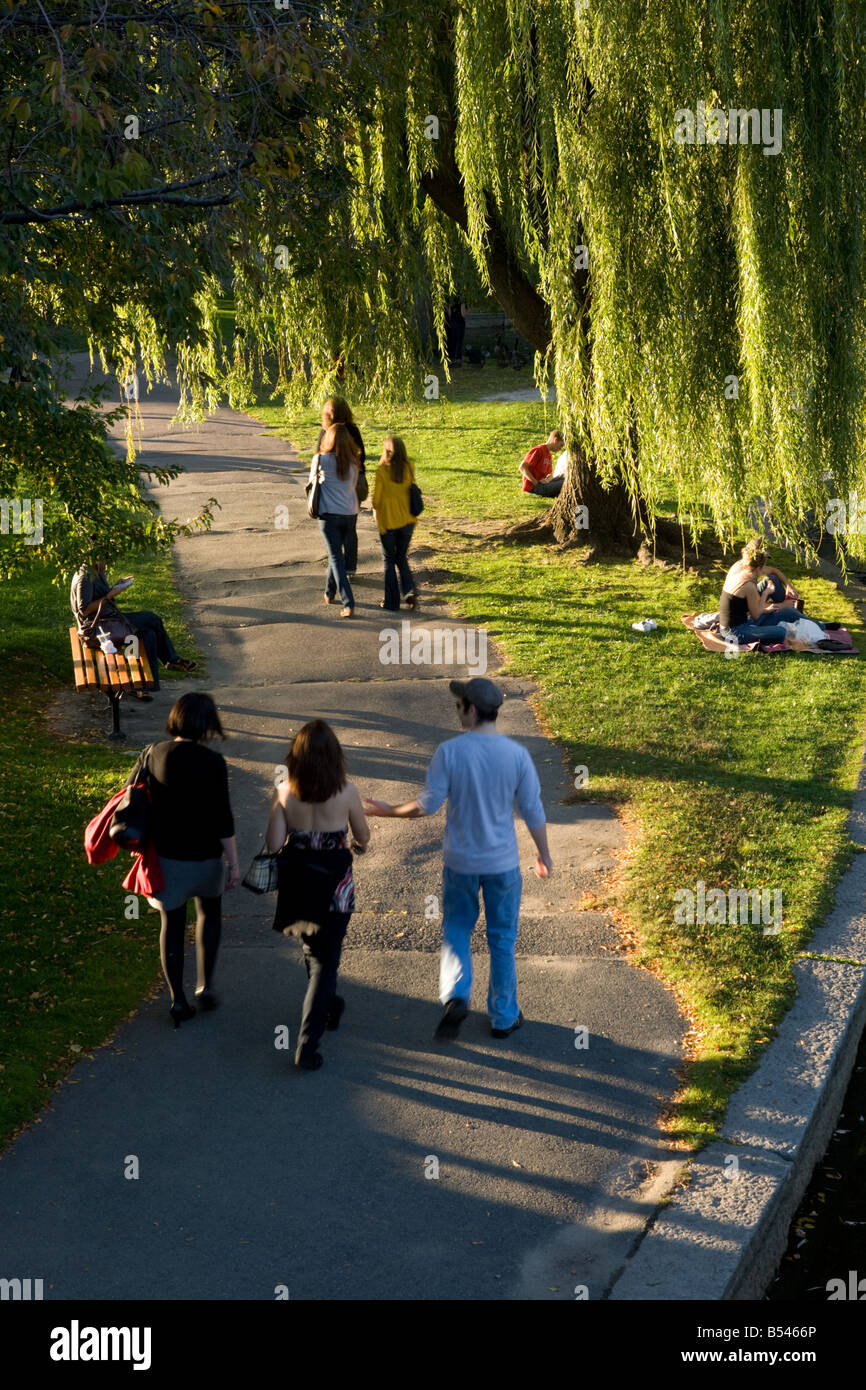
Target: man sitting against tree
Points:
(537, 468)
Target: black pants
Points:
(208, 926)
(157, 642)
(395, 548)
(322, 951)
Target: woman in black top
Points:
(746, 612)
(337, 411)
(311, 816)
(191, 828)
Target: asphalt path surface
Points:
(404, 1168)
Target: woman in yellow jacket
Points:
(394, 477)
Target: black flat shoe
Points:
(506, 1032)
(449, 1024)
(311, 1063)
(335, 1013)
(206, 999)
(182, 664)
(144, 698)
(180, 1013)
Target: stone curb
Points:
(723, 1234)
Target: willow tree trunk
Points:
(585, 511)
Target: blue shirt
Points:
(481, 776)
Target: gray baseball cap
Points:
(480, 692)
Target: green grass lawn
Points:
(738, 773)
(72, 965)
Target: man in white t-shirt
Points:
(480, 774)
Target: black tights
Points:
(207, 939)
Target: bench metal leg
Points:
(116, 733)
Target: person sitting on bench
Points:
(537, 468)
(92, 601)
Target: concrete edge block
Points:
(709, 1243)
(783, 1105)
(722, 1237)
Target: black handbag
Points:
(313, 490)
(416, 501)
(131, 824)
(362, 487)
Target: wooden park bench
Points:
(114, 675)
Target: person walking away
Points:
(480, 774)
(312, 812)
(338, 508)
(394, 477)
(337, 411)
(192, 827)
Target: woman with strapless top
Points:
(752, 586)
(311, 816)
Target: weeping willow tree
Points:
(668, 204)
(142, 141)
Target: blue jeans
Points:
(767, 628)
(460, 907)
(549, 487)
(395, 548)
(337, 530)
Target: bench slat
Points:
(111, 670)
(78, 660)
(112, 674)
(89, 666)
(146, 672)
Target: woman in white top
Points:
(338, 465)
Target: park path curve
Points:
(253, 1175)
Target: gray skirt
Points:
(189, 878)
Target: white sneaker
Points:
(646, 625)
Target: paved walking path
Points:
(255, 1175)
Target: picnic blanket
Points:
(712, 640)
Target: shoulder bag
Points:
(314, 491)
(263, 874)
(131, 825)
(416, 501)
(118, 627)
